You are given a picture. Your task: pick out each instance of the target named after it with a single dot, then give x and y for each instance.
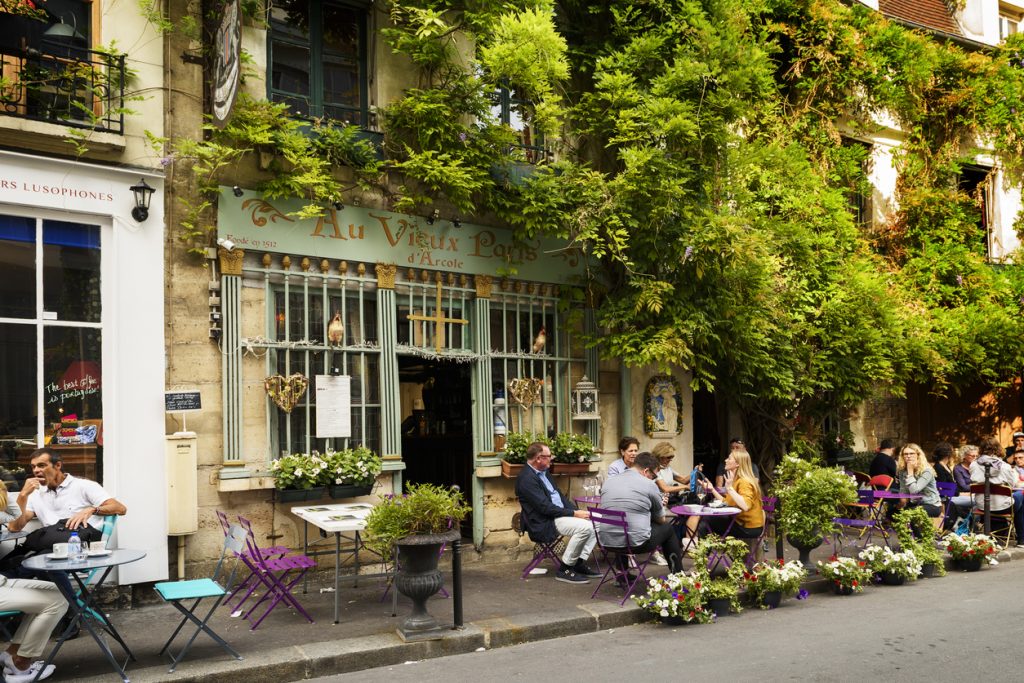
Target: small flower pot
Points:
(672, 621)
(892, 579)
(720, 606)
(840, 589)
(771, 599)
(511, 470)
(968, 564)
(299, 495)
(928, 570)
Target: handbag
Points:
(41, 540)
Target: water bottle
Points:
(75, 552)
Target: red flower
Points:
(691, 615)
(862, 563)
(833, 558)
(697, 585)
(854, 584)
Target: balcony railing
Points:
(79, 88)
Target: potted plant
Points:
(571, 453)
(892, 568)
(723, 591)
(300, 476)
(676, 599)
(847, 575)
(918, 534)
(970, 550)
(809, 497)
(416, 526)
(352, 472)
(513, 458)
(768, 582)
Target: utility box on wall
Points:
(182, 485)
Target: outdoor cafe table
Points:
(681, 511)
(337, 519)
(12, 535)
(80, 606)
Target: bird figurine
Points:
(540, 340)
(336, 330)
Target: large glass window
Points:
(318, 59)
(311, 338)
(51, 345)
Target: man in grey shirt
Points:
(635, 493)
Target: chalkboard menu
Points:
(182, 401)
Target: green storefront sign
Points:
(375, 235)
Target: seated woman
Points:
(669, 481)
(742, 490)
(917, 476)
(962, 470)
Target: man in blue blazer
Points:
(548, 514)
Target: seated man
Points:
(43, 606)
(547, 513)
(51, 495)
(635, 493)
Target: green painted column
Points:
(231, 361)
(592, 359)
(483, 417)
(390, 402)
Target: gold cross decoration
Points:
(438, 319)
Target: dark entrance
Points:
(707, 438)
(437, 434)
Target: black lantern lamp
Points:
(584, 400)
(143, 193)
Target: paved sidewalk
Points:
(500, 609)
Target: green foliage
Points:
(571, 447)
(810, 496)
(425, 509)
(918, 535)
(516, 444)
(727, 586)
(352, 467)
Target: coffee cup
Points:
(60, 549)
(97, 546)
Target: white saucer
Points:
(53, 557)
(98, 553)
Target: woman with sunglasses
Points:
(917, 476)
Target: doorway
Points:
(707, 439)
(437, 424)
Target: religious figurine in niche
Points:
(663, 407)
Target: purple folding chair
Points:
(620, 560)
(947, 491)
(768, 504)
(866, 526)
(545, 550)
(278, 575)
(250, 582)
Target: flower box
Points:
(511, 470)
(570, 468)
(299, 495)
(350, 491)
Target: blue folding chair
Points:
(197, 590)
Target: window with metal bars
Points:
(300, 327)
(433, 317)
(533, 362)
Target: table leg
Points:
(337, 569)
(305, 551)
(86, 607)
(355, 560)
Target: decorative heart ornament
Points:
(286, 391)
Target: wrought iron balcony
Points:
(79, 88)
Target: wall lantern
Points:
(584, 400)
(143, 193)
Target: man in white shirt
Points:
(51, 495)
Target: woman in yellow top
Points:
(742, 490)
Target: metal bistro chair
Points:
(251, 582)
(866, 525)
(197, 590)
(947, 491)
(619, 560)
(768, 504)
(276, 576)
(1005, 531)
(545, 550)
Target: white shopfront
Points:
(82, 339)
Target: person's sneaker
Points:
(658, 558)
(569, 575)
(25, 676)
(7, 662)
(584, 569)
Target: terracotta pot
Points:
(511, 470)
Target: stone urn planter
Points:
(805, 549)
(417, 577)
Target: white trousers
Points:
(581, 538)
(43, 606)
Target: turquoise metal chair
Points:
(196, 590)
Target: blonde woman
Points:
(742, 490)
(917, 476)
(9, 509)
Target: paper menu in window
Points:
(333, 406)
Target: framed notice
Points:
(333, 406)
